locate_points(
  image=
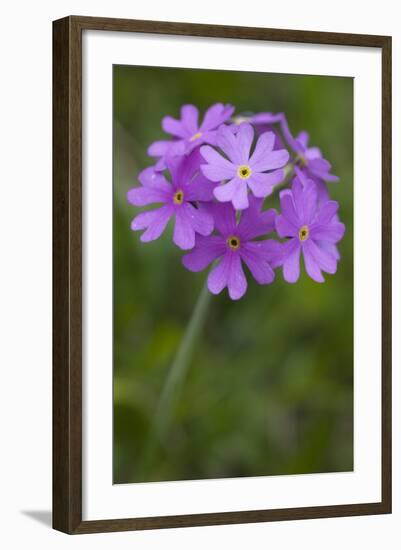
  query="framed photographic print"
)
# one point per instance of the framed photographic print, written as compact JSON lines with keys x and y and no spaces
{"x":222,"y":275}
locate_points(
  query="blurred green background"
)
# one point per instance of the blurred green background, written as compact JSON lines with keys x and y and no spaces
{"x":269,"y":389}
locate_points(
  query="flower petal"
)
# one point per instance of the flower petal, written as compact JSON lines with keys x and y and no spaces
{"x":320,"y":168}
{"x":264,"y":146}
{"x":235,"y":191}
{"x":227,"y":142}
{"x":201,"y":218}
{"x":285,"y":228}
{"x":154,"y":221}
{"x":322,"y":191}
{"x":224,"y":218}
{"x":305,"y":200}
{"x":160,"y":165}
{"x":142,"y":196}
{"x":206,"y":250}
{"x":332,"y":178}
{"x":172,"y":148}
{"x":228,"y":272}
{"x":244,"y":142}
{"x":218,"y":276}
{"x":254,"y":255}
{"x":327,"y":211}
{"x":313,"y":153}
{"x":158,"y":148}
{"x":311,"y":265}
{"x":253,"y":222}
{"x":266,"y":118}
{"x":184,"y":168}
{"x":303,"y":139}
{"x":262,"y":184}
{"x":174,"y":127}
{"x":324,"y":259}
{"x":332,"y":232}
{"x":189,"y":119}
{"x":216,"y":115}
{"x":272,"y":161}
{"x":237,"y":283}
{"x":330,"y":248}
{"x":273,"y":251}
{"x":184,"y":233}
{"x":291,"y":254}
{"x":209,"y":137}
{"x":301,"y":175}
{"x":154,"y":180}
{"x":199,"y":189}
{"x":291,"y":141}
{"x":218,"y":168}
{"x":288,"y":207}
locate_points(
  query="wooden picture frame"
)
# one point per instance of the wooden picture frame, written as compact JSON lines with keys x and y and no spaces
{"x":67,"y":273}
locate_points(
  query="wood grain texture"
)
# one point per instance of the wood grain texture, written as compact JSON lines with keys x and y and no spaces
{"x":386,"y":275}
{"x":225,"y":31}
{"x":67,"y":274}
{"x":67,"y":277}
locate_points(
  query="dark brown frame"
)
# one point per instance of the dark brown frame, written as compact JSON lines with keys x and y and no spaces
{"x":67,"y":274}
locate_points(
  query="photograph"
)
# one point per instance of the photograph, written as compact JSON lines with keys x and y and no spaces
{"x":233,"y":274}
{"x":201,"y":355}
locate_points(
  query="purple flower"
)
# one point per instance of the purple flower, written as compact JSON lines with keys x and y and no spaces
{"x":187,"y":185}
{"x":266,"y":122}
{"x":239,"y":162}
{"x":321,"y":186}
{"x":243,"y":169}
{"x":187,"y":133}
{"x":233,"y":245}
{"x":311,"y":228}
{"x":322,"y":197}
{"x":311,"y":160}
{"x":262,"y":122}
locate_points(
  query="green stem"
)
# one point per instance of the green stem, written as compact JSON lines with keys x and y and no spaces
{"x":176,"y":376}
{"x":181,"y":362}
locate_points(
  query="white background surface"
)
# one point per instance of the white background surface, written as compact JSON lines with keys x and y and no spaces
{"x":101,"y":499}
{"x":25,"y":296}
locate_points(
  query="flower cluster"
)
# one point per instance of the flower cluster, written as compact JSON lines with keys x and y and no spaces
{"x":212,"y":179}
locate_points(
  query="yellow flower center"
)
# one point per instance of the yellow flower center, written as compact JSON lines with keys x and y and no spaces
{"x":178,"y":197}
{"x":302,"y":160}
{"x":233,"y":242}
{"x":195,"y":136}
{"x":244,"y":171}
{"x":303,"y":233}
